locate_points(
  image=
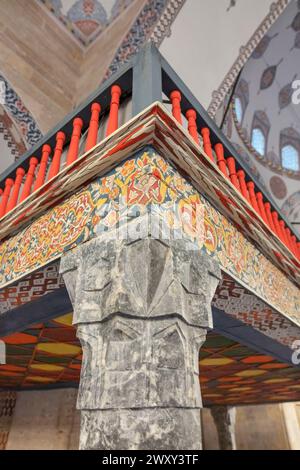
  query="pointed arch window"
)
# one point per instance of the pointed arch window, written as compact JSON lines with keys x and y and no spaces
{"x":290,"y":158}
{"x":289,"y":147}
{"x":258,"y":140}
{"x":260,"y":132}
{"x":238,"y":109}
{"x":241,"y":100}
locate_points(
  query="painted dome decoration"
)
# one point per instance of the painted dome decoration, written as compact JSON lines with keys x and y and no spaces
{"x":88,"y":15}
{"x":265,"y":119}
{"x":262,"y":46}
{"x":268,"y":76}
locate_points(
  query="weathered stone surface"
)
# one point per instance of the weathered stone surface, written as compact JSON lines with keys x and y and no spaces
{"x":154,"y":429}
{"x":142,"y":308}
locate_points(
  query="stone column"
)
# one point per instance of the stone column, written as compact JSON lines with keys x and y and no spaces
{"x":142,"y":309}
{"x":224,"y":418}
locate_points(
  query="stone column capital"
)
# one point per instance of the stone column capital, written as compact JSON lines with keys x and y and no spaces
{"x":144,"y":278}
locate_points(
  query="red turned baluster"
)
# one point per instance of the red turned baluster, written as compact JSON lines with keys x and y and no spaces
{"x":261,"y":207}
{"x":75,"y":139}
{"x":29,"y":178}
{"x":93,"y":127}
{"x":40,"y":179}
{"x":269,"y":216}
{"x":113,"y":120}
{"x":175,"y":98}
{"x":243,"y":186}
{"x":16,"y":189}
{"x":282,"y":231}
{"x":294,"y":245}
{"x":5,"y":196}
{"x":232,"y":172}
{"x":192,"y":125}
{"x":253,"y":201}
{"x":276,"y":224}
{"x":219,"y":149}
{"x":284,"y":237}
{"x":205,"y":132}
{"x":55,"y":165}
{"x":298,"y":249}
{"x":289,"y":238}
{"x":293,"y":239}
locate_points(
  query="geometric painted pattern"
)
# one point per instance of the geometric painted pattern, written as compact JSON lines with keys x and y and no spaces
{"x":42,"y":355}
{"x":238,"y":302}
{"x":31,"y":287}
{"x":230,"y":373}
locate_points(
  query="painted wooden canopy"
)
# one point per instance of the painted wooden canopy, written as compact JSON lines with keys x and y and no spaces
{"x":149,"y":164}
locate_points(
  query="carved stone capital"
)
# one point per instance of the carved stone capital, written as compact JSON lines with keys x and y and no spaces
{"x":145,"y":278}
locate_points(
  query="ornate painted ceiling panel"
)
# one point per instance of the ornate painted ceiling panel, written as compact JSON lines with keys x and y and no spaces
{"x":47,"y":355}
{"x":86,"y":19}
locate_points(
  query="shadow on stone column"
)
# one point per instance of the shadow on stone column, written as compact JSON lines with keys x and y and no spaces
{"x":142,"y":309}
{"x":224,"y":418}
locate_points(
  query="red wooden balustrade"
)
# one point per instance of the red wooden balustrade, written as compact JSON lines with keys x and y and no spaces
{"x":205,"y":132}
{"x":269,"y":216}
{"x":243,"y":186}
{"x":113,"y":119}
{"x":230,"y":161}
{"x":5,"y":196}
{"x":13,"y":200}
{"x":252,"y":196}
{"x":93,"y":127}
{"x":175,"y":98}
{"x":219,"y":149}
{"x":75,"y":140}
{"x":55,"y":164}
{"x":192,"y":125}
{"x":41,"y":175}
{"x":29,"y":178}
{"x":261,"y":207}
